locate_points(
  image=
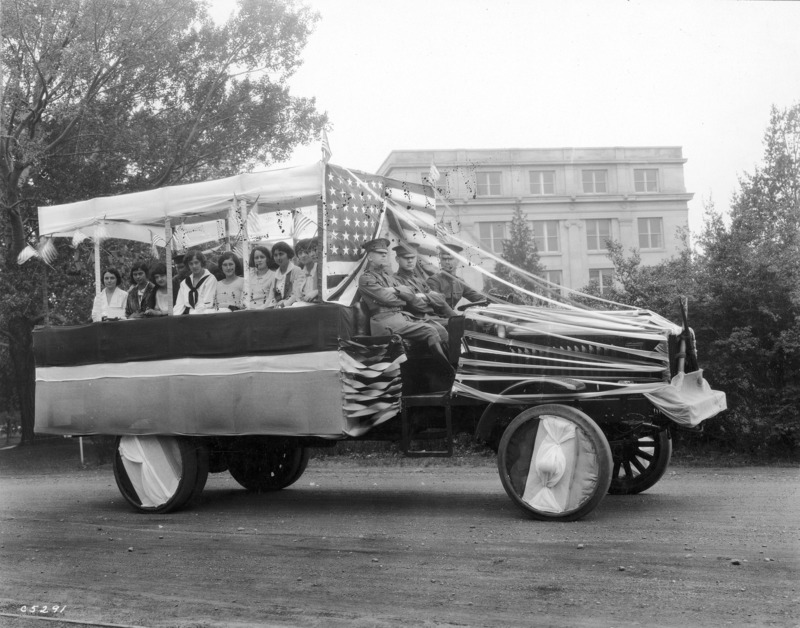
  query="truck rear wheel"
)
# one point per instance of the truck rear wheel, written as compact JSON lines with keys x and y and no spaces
{"x":159,"y":474}
{"x":262,"y":464}
{"x":554,"y":463}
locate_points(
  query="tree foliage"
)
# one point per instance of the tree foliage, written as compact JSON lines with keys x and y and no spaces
{"x":102,"y":97}
{"x":744,"y":289}
{"x":519,"y":250}
{"x":657,"y":287}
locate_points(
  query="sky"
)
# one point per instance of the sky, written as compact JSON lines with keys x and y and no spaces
{"x":439,"y":74}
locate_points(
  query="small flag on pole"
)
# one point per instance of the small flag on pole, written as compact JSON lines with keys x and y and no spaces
{"x":27,"y":253}
{"x":434,"y":173}
{"x":326,"y":148}
{"x":47,"y":250}
{"x":78,"y":237}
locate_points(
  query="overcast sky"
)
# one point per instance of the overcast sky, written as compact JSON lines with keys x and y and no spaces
{"x":436,"y":74}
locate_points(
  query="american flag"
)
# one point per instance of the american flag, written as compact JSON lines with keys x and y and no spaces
{"x":326,"y":147}
{"x":360,"y":207}
{"x":354,"y":203}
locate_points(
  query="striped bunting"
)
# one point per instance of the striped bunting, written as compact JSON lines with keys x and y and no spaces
{"x":371,"y":383}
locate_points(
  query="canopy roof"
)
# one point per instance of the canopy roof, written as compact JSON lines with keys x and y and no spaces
{"x":283,"y":188}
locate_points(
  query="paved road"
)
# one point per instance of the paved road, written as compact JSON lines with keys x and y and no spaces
{"x":387,"y":546}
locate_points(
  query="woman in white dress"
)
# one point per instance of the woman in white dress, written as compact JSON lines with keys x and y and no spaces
{"x":289,"y":279}
{"x":261,"y":279}
{"x":109,"y":304}
{"x":229,"y":289}
{"x":197,"y":291}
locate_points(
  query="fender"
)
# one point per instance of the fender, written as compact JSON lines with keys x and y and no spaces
{"x":498,"y":414}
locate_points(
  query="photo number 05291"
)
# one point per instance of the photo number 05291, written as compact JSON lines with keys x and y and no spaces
{"x":43,"y":609}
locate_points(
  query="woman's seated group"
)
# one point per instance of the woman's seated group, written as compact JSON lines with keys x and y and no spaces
{"x":276,"y":281}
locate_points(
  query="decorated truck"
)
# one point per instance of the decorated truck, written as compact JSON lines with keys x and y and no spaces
{"x":578,"y":401}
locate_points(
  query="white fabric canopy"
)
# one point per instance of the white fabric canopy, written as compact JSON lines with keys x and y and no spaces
{"x":284,"y":188}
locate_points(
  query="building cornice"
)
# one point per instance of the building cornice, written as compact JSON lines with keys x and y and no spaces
{"x":584,"y":199}
{"x":451,"y":157}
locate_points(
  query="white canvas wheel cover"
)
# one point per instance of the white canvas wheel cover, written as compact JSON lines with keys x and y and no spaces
{"x":552,"y":465}
{"x":154,"y":467}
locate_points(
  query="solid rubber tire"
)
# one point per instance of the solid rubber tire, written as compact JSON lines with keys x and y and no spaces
{"x":194,"y":473}
{"x":262,"y":464}
{"x":632,"y":484}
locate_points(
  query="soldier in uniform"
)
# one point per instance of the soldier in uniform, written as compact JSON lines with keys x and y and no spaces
{"x":385,"y":298}
{"x":429,"y":305}
{"x":446,"y":283}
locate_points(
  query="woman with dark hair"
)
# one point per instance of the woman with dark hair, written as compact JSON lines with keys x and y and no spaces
{"x":159,"y":303}
{"x":140,"y":291}
{"x":229,"y":289}
{"x":109,"y":304}
{"x":307,"y":255}
{"x":288,"y":278}
{"x":197,"y":291}
{"x":261,"y":279}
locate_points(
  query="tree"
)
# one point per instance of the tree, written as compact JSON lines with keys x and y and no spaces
{"x":108,"y":96}
{"x":744,"y":290}
{"x":658,"y":287}
{"x":520,"y":251}
{"x":749,"y":289}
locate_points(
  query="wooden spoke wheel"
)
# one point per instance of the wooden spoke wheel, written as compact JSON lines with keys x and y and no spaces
{"x":159,"y":474}
{"x":554,"y":463}
{"x":262,"y":464}
{"x":641,"y":455}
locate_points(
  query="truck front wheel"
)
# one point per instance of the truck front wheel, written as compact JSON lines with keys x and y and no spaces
{"x":554,"y":462}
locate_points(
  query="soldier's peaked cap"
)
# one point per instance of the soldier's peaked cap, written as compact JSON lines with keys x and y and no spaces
{"x":378,"y":245}
{"x":452,"y":247}
{"x":406,"y":249}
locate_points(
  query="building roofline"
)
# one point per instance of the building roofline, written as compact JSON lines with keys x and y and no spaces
{"x":401,"y":151}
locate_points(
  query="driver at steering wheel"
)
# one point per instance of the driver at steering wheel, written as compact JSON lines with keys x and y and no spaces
{"x":447,"y":284}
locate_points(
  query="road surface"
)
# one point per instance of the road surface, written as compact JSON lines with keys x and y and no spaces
{"x":427,"y":545}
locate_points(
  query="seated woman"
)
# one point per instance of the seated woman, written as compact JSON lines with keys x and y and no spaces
{"x":197,"y":291}
{"x":139,"y":294}
{"x":289,"y":278}
{"x":229,"y":289}
{"x":307,"y":256}
{"x":159,"y":303}
{"x":261,"y":278}
{"x":109,"y":304}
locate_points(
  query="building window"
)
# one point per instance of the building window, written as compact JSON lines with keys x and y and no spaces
{"x":542,"y":182}
{"x":603,"y":277}
{"x":489,"y":183}
{"x":594,"y":181}
{"x":645,"y":180}
{"x":552,"y":291}
{"x":491,"y":236}
{"x":598,"y":233}
{"x":651,"y":233}
{"x":553,"y":276}
{"x":545,"y":235}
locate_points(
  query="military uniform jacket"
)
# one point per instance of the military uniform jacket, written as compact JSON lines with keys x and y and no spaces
{"x":433,"y":303}
{"x":379,"y":290}
{"x":385,"y":298}
{"x":452,"y":288}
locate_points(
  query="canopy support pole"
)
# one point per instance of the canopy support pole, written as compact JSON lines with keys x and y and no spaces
{"x":98,"y":276}
{"x":45,"y":295}
{"x":168,"y":262}
{"x":322,"y":231}
{"x":245,"y":253}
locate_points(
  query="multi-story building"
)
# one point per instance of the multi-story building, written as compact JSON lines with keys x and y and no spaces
{"x":575,"y":199}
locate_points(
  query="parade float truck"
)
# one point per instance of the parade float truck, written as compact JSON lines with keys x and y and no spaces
{"x":578,"y":402}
